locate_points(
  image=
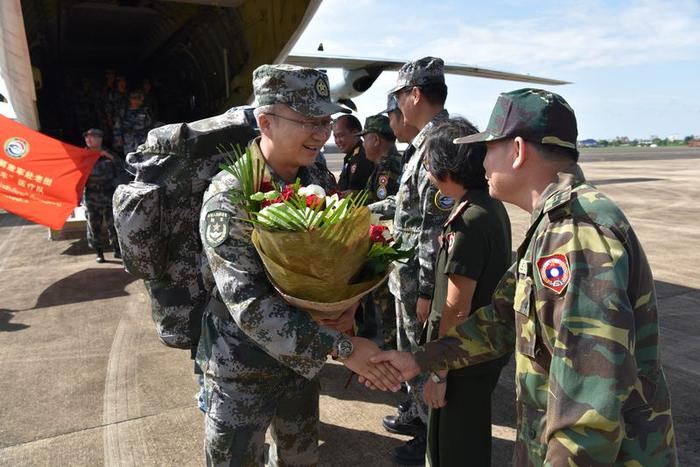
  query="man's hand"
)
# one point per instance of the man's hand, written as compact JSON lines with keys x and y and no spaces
{"x":344,"y":322}
{"x":423,"y":309}
{"x":381,"y":375}
{"x":402,"y":362}
{"x":434,"y":394}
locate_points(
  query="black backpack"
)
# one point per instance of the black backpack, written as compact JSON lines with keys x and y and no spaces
{"x":157,"y":216}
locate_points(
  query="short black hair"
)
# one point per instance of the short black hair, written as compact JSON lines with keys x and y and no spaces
{"x":435,"y":93}
{"x":463,"y":163}
{"x":352,"y":123}
{"x":555,"y":153}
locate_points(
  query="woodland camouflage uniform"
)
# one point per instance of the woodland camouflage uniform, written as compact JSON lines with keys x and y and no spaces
{"x":580,"y":309}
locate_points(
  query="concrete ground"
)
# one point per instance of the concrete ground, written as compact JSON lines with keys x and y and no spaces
{"x":85,"y":381}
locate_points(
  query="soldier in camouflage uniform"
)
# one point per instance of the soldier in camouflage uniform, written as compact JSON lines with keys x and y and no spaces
{"x":578,"y":305}
{"x":381,"y":151}
{"x":98,"y":196}
{"x":131,"y":129}
{"x":261,"y":356}
{"x":419,"y":210}
{"x":403,"y":131}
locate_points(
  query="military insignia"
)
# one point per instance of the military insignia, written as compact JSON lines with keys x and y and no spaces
{"x":322,"y":88}
{"x":443,"y":203}
{"x":381,"y":192}
{"x":450,"y":239}
{"x":383,"y":180}
{"x":353,"y":168}
{"x":554,"y":272}
{"x":216,"y":228}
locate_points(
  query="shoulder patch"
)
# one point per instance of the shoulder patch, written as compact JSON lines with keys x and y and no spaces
{"x":353,"y":168}
{"x":443,"y":203}
{"x":554,"y":272}
{"x":383,"y":179}
{"x":216,"y":227}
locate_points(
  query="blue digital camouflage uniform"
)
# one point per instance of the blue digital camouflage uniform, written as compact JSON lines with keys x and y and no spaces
{"x":419,"y":212}
{"x":97,"y":194}
{"x":260,"y":356}
{"x":261,"y":359}
{"x":133,"y":128}
{"x":580,"y":309}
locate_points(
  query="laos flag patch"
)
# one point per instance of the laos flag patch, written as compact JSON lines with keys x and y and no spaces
{"x":554,"y":272}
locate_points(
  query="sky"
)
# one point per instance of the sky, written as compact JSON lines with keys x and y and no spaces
{"x":635,"y":65}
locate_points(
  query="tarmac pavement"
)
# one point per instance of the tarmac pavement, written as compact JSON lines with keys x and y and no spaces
{"x":86,"y":382}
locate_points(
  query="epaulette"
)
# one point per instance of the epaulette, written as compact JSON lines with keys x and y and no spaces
{"x":556,"y":205}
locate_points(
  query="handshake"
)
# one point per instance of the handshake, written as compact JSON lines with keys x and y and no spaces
{"x":376,"y":369}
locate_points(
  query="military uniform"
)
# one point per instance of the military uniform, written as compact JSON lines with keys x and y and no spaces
{"x":580,"y":309}
{"x":133,"y":128}
{"x":384,"y":182}
{"x":356,"y":170}
{"x":419,"y":212}
{"x":475,"y":243}
{"x":98,"y":193}
{"x":260,"y":356}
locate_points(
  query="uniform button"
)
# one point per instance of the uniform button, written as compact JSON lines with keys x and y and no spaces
{"x":532,"y":433}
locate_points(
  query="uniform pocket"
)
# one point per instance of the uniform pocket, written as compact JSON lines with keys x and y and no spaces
{"x":525,"y":317}
{"x":139,"y":219}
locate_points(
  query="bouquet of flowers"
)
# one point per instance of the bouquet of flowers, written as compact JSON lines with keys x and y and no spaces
{"x":318,"y":249}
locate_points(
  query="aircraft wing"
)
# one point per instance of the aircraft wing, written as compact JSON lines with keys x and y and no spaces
{"x":353,"y":63}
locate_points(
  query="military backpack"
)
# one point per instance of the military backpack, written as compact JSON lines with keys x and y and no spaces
{"x":157,"y":216}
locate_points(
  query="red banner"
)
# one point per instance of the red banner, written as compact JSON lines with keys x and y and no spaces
{"x":41,"y":178}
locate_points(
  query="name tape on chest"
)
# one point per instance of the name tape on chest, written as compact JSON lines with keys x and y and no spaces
{"x":554,"y":272}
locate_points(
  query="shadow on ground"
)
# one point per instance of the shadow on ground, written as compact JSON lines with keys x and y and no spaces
{"x":84,"y":286}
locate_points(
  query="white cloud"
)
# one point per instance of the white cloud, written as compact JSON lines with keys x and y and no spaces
{"x":578,"y":36}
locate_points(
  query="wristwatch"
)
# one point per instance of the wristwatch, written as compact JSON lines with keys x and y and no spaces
{"x":343,"y":348}
{"x":437,"y":378}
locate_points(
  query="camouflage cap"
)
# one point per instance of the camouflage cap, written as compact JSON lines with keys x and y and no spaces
{"x":377,"y":124}
{"x":95,"y":132}
{"x":533,"y":114}
{"x":305,"y":90}
{"x":427,"y":70}
{"x":392,"y":104}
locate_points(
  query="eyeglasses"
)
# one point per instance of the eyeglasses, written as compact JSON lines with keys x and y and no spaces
{"x":307,"y":126}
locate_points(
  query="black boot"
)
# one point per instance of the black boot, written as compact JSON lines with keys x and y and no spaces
{"x":412,"y":452}
{"x":100,"y":257}
{"x":117,"y":252}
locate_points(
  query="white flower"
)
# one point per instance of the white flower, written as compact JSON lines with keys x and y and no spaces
{"x":269,"y":215}
{"x":312,"y":190}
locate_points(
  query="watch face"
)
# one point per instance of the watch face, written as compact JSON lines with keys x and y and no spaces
{"x":344,"y":348}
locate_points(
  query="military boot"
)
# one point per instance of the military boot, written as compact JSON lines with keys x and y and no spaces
{"x":100,"y":256}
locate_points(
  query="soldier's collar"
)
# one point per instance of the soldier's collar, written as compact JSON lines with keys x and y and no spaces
{"x":558,"y":192}
{"x":423,"y":133}
{"x":357,"y":149}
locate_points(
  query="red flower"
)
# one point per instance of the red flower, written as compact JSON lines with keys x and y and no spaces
{"x":287,"y":193}
{"x":266,"y":186}
{"x":312,"y":201}
{"x":376,"y":233}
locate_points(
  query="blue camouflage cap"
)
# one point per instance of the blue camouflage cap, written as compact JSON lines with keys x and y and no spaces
{"x":421,"y":72}
{"x":392,"y":104}
{"x":305,"y":90}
